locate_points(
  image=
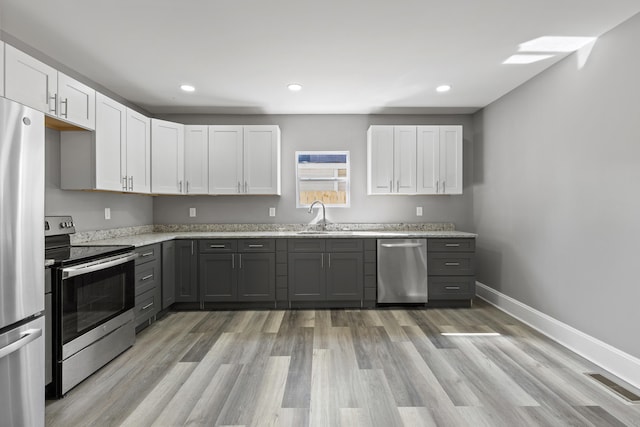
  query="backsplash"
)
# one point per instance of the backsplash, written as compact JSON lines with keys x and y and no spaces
{"x":90,"y":236}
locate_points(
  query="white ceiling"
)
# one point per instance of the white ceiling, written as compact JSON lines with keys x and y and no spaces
{"x":351,"y":56}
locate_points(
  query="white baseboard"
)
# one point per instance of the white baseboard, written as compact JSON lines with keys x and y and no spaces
{"x":621,"y":364}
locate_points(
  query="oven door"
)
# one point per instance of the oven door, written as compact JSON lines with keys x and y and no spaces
{"x":94,"y":293}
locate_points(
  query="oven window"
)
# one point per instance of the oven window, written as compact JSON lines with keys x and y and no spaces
{"x":91,"y":299}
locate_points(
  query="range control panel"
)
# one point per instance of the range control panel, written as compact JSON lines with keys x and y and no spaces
{"x":56,"y":225}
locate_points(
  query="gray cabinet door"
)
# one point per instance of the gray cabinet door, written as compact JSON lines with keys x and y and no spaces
{"x":345,"y":276}
{"x":306,"y":277}
{"x":168,"y":273}
{"x":256,"y":277}
{"x":186,"y":289}
{"x":218,"y":277}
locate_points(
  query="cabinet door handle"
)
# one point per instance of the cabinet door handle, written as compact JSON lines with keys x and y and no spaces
{"x":131,"y":183}
{"x":390,"y":186}
{"x":452,"y":288}
{"x":147,"y":306}
{"x":192,"y":247}
{"x":180,"y":186}
{"x":239,"y":187}
{"x":451,"y":264}
{"x":66,"y":107}
{"x":245,"y":186}
{"x":217,"y":246}
{"x":452,"y":245}
{"x":322,"y":260}
{"x":437,"y":186}
{"x":147,"y":254}
{"x":147,"y":277}
{"x":239,"y":260}
{"x":124,"y":183}
{"x":233,"y":261}
{"x":187,"y":187}
{"x":444,"y":187}
{"x":53,"y":98}
{"x":256,"y":246}
{"x":329,"y":259}
{"x":398,"y":186}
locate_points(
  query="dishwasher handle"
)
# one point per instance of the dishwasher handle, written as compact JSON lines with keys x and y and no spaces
{"x":401,"y":245}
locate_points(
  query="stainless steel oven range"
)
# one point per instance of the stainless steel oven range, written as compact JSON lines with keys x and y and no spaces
{"x":93,"y":300}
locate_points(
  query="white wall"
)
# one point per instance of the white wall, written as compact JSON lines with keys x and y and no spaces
{"x":324,"y":132}
{"x":87,"y":207}
{"x":556,"y":191}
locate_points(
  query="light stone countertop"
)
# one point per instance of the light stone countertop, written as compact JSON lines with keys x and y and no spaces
{"x":144,"y":239}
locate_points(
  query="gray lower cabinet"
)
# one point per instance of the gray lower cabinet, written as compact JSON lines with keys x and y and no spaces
{"x":325,"y":269}
{"x":237,"y":270}
{"x":186,"y":271}
{"x":148,"y":284}
{"x":451,"y":267}
{"x":168,"y":273}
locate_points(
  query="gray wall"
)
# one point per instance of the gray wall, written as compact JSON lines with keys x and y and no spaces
{"x":87,"y":207}
{"x":556,"y":201}
{"x":324,"y":132}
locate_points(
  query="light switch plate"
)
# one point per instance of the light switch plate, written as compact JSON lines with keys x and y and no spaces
{"x":192,"y":212}
{"x":107,"y":213}
{"x":272,"y":211}
{"x":419,"y":211}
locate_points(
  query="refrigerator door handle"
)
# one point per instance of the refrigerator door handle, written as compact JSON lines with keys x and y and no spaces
{"x":27,"y":337}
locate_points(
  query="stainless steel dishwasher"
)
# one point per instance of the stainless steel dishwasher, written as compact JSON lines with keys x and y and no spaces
{"x":402,"y":270}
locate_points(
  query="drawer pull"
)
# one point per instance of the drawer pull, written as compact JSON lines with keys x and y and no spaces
{"x":147,"y":306}
{"x":452,"y":245}
{"x":217,"y":246}
{"x":147,"y":277}
{"x":147,"y":254}
{"x":452,"y":288}
{"x":256,"y":246}
{"x":451,"y":264}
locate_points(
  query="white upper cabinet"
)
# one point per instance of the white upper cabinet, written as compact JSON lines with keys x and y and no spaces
{"x":137,"y":162}
{"x":167,"y":157}
{"x":414,"y":160}
{"x":451,"y":159}
{"x":225,"y":160}
{"x":39,"y":86}
{"x":196,"y":159}
{"x":30,"y":82}
{"x":261,"y":160}
{"x":1,"y":68}
{"x":116,"y":157}
{"x":76,"y":102}
{"x":244,"y":160}
{"x":391,"y":156}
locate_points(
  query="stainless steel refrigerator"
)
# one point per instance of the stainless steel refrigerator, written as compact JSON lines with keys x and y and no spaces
{"x":21,"y":265}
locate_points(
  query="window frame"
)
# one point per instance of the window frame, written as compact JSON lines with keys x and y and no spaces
{"x":346,"y":180}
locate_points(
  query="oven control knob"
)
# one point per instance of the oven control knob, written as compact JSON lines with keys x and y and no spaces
{"x":62,"y":225}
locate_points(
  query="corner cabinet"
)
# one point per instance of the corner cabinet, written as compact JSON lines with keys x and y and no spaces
{"x":244,"y":160}
{"x":116,"y":157}
{"x":167,"y":157}
{"x":414,"y":160}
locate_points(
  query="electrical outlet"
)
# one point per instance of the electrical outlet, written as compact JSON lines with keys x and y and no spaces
{"x":272,"y":211}
{"x":419,"y":211}
{"x":192,"y":212}
{"x":107,"y":213}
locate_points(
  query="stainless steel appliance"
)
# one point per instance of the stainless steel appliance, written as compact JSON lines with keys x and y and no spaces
{"x":402,"y":271}
{"x":21,"y":265}
{"x":93,"y":300}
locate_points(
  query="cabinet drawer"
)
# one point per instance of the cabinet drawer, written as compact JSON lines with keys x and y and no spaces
{"x":147,"y":276}
{"x":147,"y":253}
{"x":146,"y":307}
{"x":306,"y":245}
{"x":451,"y":264}
{"x":217,"y":245}
{"x":462,"y":287}
{"x":345,"y":245}
{"x":257,"y":245}
{"x":451,"y":245}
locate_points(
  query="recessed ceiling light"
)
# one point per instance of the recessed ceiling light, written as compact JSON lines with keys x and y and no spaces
{"x":294,"y":87}
{"x":555,"y":44}
{"x":525,"y":59}
{"x":443,"y":88}
{"x":187,"y":88}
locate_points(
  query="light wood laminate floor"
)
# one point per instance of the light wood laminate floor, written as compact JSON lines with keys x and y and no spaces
{"x":342,"y":368}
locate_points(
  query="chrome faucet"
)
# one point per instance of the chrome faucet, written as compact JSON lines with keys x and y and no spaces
{"x":324,"y":217}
